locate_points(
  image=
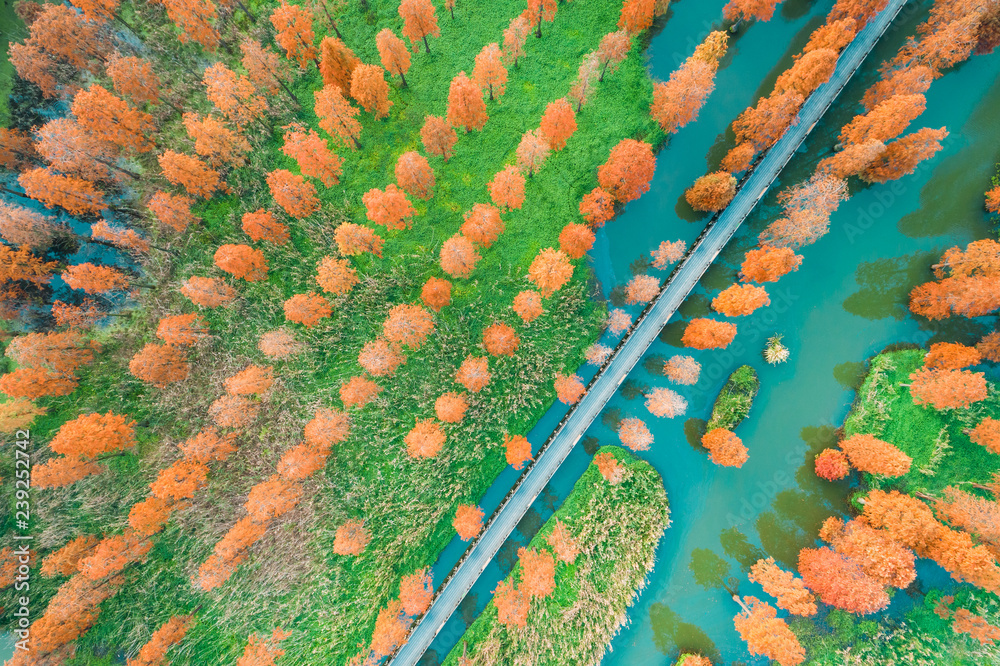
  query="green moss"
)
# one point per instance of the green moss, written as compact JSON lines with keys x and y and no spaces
{"x":618,"y":528}
{"x":735,"y":399}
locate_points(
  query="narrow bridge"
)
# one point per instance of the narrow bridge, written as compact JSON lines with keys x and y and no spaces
{"x":635,"y":343}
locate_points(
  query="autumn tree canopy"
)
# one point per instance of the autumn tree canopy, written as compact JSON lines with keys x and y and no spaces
{"x":748,"y":10}
{"x":489,"y":72}
{"x":393,"y":53}
{"x":419,"y":22}
{"x":947,"y":389}
{"x":159,"y":365}
{"x":369,"y":88}
{"x":725,"y":447}
{"x":310,"y":152}
{"x":550,"y":270}
{"x":711,"y":192}
{"x":628,"y":171}
{"x":466,"y":108}
{"x":91,"y":435}
{"x":768,"y":264}
{"x":438,"y":137}
{"x":597,"y":207}
{"x":507,"y":188}
{"x":558,"y":123}
{"x":261,"y":225}
{"x":872,"y":455}
{"x":766,"y":634}
{"x":242,"y":261}
{"x":388,"y":207}
{"x":634,"y":434}
{"x":459,"y":256}
{"x":840,"y":581}
{"x":740,"y":300}
{"x":293,"y":193}
{"x":337,"y":116}
{"x":789,"y":590}
{"x":337,"y":63}
{"x":468,"y":521}
{"x":763,"y":125}
{"x":414,"y":175}
{"x":708,"y":334}
{"x":294,"y":32}
{"x":482,"y":225}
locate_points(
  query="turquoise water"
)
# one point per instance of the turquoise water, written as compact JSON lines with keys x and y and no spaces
{"x":6,"y":646}
{"x":846,"y":303}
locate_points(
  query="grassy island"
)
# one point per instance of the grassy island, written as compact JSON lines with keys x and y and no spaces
{"x":735,"y":399}
{"x":942,"y":455}
{"x":618,"y":527}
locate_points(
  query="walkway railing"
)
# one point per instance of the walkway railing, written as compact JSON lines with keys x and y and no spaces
{"x":603,"y":385}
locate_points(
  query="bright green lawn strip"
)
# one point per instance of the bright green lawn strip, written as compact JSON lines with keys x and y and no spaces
{"x":619,"y":527}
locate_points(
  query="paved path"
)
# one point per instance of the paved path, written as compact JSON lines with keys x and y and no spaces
{"x":628,"y":352}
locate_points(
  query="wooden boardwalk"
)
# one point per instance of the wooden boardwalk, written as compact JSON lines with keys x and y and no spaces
{"x":631,"y":348}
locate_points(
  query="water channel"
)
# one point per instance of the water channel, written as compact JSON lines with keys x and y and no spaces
{"x":846,"y":303}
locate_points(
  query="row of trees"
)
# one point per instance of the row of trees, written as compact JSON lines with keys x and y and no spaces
{"x":892,"y":102}
{"x":242,"y":100}
{"x":162,"y":364}
{"x":408,"y":325}
{"x":623,"y":178}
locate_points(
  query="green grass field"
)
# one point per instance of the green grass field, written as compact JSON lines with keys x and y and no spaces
{"x":291,"y":578}
{"x":618,"y":527}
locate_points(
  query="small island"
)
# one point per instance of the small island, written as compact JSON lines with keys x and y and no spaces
{"x":735,"y":399}
{"x":568,"y":595}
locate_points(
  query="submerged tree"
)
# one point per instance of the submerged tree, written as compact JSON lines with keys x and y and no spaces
{"x":766,"y":634}
{"x":725,"y":447}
